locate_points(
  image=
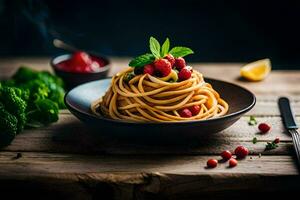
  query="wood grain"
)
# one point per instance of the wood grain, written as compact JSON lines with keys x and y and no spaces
{"x":135,"y":177}
{"x":43,"y":163}
{"x":72,"y":136}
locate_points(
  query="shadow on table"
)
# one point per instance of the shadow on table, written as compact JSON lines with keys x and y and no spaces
{"x":78,"y":137}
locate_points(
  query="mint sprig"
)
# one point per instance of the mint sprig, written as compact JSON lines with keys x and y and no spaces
{"x":158,"y":52}
{"x":165,"y":48}
{"x":271,"y":145}
{"x":181,"y":51}
{"x":142,"y":60}
{"x":154,"y":47}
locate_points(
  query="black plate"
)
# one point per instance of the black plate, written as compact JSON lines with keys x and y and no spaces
{"x":78,"y":101}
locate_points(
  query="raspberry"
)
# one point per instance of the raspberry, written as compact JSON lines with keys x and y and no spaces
{"x":264,"y":128}
{"x":180,"y":63}
{"x":184,"y":74}
{"x":171,"y":59}
{"x":277,"y":140}
{"x":233,"y":162}
{"x":226,"y":155}
{"x":163,"y":66}
{"x":212,"y":163}
{"x":185,"y":113}
{"x":195,"y":109}
{"x":81,"y":58}
{"x":149,"y":69}
{"x":241,"y":152}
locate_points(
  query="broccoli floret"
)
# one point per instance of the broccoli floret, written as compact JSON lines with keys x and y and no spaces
{"x":33,"y":97}
{"x":49,"y":79}
{"x":46,"y":112}
{"x":57,"y":95}
{"x":8,"y":126}
{"x":42,"y":85}
{"x":9,"y":83}
{"x":38,"y":90}
{"x":55,"y":86}
{"x":24,"y":74}
{"x":23,"y":93}
{"x":14,"y":104}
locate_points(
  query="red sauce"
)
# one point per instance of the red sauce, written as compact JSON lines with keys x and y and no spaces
{"x":81,"y":62}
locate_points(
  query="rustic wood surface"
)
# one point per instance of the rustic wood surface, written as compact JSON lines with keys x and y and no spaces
{"x":67,"y":158}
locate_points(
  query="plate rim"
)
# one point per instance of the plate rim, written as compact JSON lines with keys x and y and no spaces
{"x":231,"y":115}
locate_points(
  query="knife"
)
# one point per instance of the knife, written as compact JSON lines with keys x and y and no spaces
{"x":290,"y":123}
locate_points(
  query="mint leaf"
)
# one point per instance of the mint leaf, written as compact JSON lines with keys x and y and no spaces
{"x":154,"y":47}
{"x":128,"y":77}
{"x":181,"y":51}
{"x":271,"y":145}
{"x":165,"y":48}
{"x":142,"y":60}
{"x":254,"y":140}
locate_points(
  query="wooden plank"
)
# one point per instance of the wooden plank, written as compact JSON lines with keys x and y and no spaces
{"x":45,"y":163}
{"x":70,"y":135}
{"x":136,"y":177}
{"x":148,"y":186}
{"x":270,"y":107}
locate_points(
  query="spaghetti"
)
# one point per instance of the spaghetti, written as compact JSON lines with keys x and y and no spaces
{"x":146,"y":98}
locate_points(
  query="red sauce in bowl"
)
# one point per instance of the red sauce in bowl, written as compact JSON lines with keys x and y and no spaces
{"x":81,"y":62}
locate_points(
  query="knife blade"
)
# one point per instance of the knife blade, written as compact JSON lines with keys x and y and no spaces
{"x":290,"y":123}
{"x":286,"y":113}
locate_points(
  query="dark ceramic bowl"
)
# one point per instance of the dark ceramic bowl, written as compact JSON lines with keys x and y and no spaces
{"x":73,"y":79}
{"x":79,"y":99}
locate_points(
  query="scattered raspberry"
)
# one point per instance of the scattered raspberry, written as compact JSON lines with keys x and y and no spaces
{"x":277,"y":140}
{"x":194,"y":109}
{"x":241,"y":152}
{"x":163,"y":66}
{"x":171,"y":59}
{"x":184,"y":74}
{"x":263,"y":127}
{"x":185,"y":113}
{"x":212,"y":163}
{"x":149,"y":69}
{"x":226,"y":155}
{"x":233,"y":162}
{"x":180,"y":63}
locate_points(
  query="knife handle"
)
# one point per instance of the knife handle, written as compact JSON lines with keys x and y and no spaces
{"x":286,"y":113}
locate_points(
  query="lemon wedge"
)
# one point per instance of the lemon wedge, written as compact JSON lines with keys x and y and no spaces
{"x":256,"y":71}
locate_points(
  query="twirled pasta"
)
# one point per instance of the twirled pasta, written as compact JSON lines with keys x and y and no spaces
{"x":146,"y":98}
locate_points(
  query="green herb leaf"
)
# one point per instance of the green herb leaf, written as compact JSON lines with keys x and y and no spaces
{"x":252,"y":121}
{"x":128,"y":77}
{"x":181,"y":51}
{"x":271,"y":145}
{"x":142,"y":60}
{"x":154,"y":47}
{"x":165,"y":48}
{"x":254,"y":140}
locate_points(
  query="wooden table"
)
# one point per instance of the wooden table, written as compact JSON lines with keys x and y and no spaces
{"x":63,"y":160}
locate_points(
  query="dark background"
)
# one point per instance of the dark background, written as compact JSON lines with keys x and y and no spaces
{"x":218,"y":31}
